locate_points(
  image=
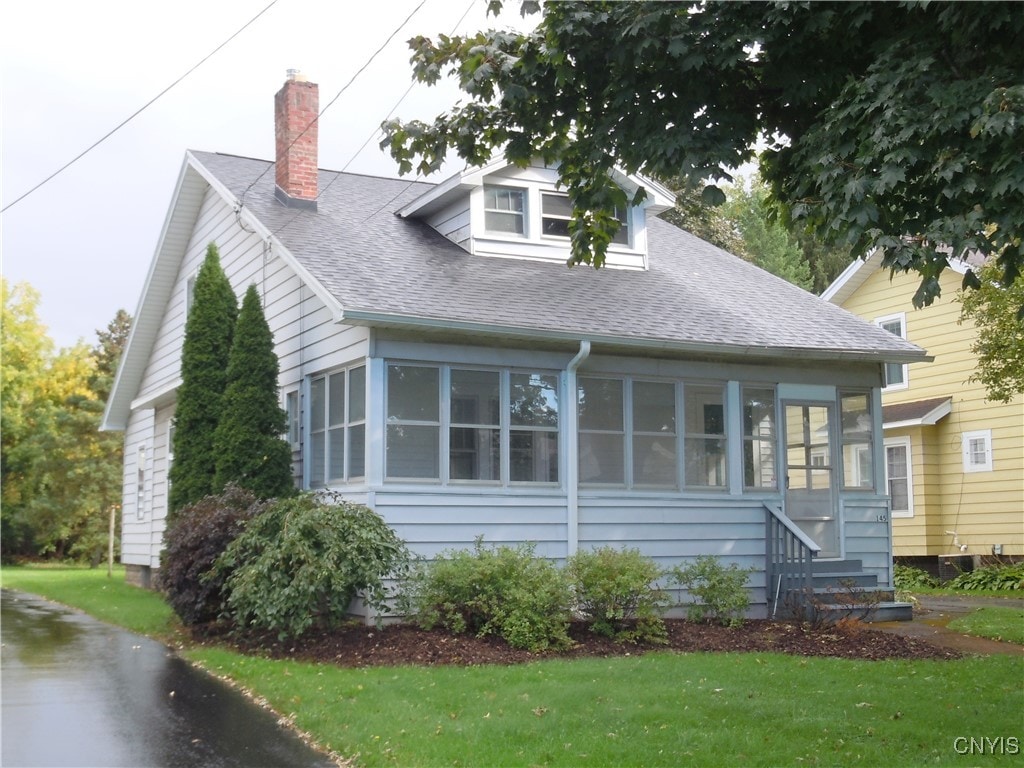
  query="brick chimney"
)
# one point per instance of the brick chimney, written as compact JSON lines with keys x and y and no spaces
{"x":295,"y":126}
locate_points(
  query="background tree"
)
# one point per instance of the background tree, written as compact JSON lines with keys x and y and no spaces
{"x":999,"y":345}
{"x":204,"y":358}
{"x":698,"y":217}
{"x":764,"y":240}
{"x":895,"y":126}
{"x":61,"y":476}
{"x":250,"y":450}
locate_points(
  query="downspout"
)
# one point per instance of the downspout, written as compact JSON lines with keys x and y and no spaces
{"x":573,"y":450}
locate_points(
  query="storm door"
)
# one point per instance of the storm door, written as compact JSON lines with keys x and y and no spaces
{"x":810,"y":473}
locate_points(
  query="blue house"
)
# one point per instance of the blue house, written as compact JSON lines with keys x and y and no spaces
{"x":441,"y":364}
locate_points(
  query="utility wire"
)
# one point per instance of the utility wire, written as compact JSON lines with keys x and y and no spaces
{"x":372,"y":135}
{"x":137,"y":112}
{"x":345,"y":87}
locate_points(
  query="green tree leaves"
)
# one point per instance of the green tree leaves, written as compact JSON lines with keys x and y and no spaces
{"x":895,"y":126}
{"x":999,"y":345}
{"x":60,"y":475}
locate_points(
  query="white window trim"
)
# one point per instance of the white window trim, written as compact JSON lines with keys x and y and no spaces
{"x":525,"y":214}
{"x":906,"y":444}
{"x":140,"y":482}
{"x":902,"y":318}
{"x":965,"y":449}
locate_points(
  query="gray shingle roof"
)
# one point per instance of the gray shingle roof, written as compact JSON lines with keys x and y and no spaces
{"x":694,"y":296}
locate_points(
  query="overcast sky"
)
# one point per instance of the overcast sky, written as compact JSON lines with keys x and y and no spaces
{"x":71,"y":71}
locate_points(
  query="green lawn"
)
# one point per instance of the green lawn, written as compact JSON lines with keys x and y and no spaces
{"x":650,"y":710}
{"x":1006,"y":624}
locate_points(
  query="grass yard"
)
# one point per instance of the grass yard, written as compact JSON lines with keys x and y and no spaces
{"x":1006,"y":624}
{"x":650,"y":710}
{"x":89,"y":589}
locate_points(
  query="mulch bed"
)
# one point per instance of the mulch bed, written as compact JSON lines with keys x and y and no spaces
{"x":356,"y":645}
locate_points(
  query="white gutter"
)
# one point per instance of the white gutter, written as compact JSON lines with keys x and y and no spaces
{"x":572,"y":452}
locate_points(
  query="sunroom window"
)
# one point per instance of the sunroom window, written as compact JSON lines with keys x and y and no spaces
{"x":610,"y":410}
{"x":505,"y":210}
{"x":759,"y":437}
{"x":533,"y":428}
{"x":337,"y":432}
{"x":858,"y":461}
{"x":500,"y":426}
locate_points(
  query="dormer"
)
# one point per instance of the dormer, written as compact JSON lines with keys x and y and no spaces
{"x":503,"y":211}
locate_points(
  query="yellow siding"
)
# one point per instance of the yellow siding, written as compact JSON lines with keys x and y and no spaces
{"x":984,"y":508}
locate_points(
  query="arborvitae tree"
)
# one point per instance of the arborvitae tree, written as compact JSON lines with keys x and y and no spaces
{"x":248,"y":442}
{"x":204,"y":357}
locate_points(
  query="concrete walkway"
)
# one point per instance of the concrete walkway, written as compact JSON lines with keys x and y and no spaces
{"x":934,"y":613}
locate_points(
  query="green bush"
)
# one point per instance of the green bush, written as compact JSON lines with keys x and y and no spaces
{"x":503,"y":591}
{"x":907,"y":577}
{"x":615,"y":591}
{"x":299,"y":563}
{"x":996,"y":576}
{"x":196,"y":537}
{"x":721,"y":591}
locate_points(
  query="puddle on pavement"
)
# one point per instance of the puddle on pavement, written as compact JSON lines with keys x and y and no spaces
{"x":77,"y":692}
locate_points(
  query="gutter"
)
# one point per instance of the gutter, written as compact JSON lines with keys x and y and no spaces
{"x":573,"y":450}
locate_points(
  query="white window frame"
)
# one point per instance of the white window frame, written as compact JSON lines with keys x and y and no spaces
{"x":881,"y":322}
{"x":967,"y":438}
{"x":622,"y":236}
{"x":524,"y":214}
{"x":903,"y":442}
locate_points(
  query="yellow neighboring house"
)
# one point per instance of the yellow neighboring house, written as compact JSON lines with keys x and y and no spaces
{"x":954,"y":461}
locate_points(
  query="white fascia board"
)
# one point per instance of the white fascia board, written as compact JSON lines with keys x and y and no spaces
{"x":932,"y":417}
{"x":163,"y":269}
{"x":277,"y":247}
{"x":659,"y":197}
{"x":851,"y":278}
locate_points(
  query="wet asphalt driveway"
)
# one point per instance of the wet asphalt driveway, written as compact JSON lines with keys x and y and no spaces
{"x":78,"y":692}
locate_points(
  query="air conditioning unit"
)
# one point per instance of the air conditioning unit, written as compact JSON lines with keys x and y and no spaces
{"x":951,"y":566}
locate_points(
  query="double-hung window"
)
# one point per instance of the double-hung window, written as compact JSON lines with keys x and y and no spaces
{"x":337,"y":431}
{"x":505,"y":210}
{"x":898,"y":476}
{"x":895,"y":373}
{"x":475,"y":433}
{"x":556,"y":213}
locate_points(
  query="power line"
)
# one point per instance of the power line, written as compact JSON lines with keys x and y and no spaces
{"x":372,"y":134}
{"x":137,"y":112}
{"x":345,"y":87}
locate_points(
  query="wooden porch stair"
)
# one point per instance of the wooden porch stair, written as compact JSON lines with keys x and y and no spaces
{"x":843,"y":589}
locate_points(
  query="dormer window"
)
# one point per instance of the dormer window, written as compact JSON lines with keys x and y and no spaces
{"x":505,"y":210}
{"x":556,"y":212}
